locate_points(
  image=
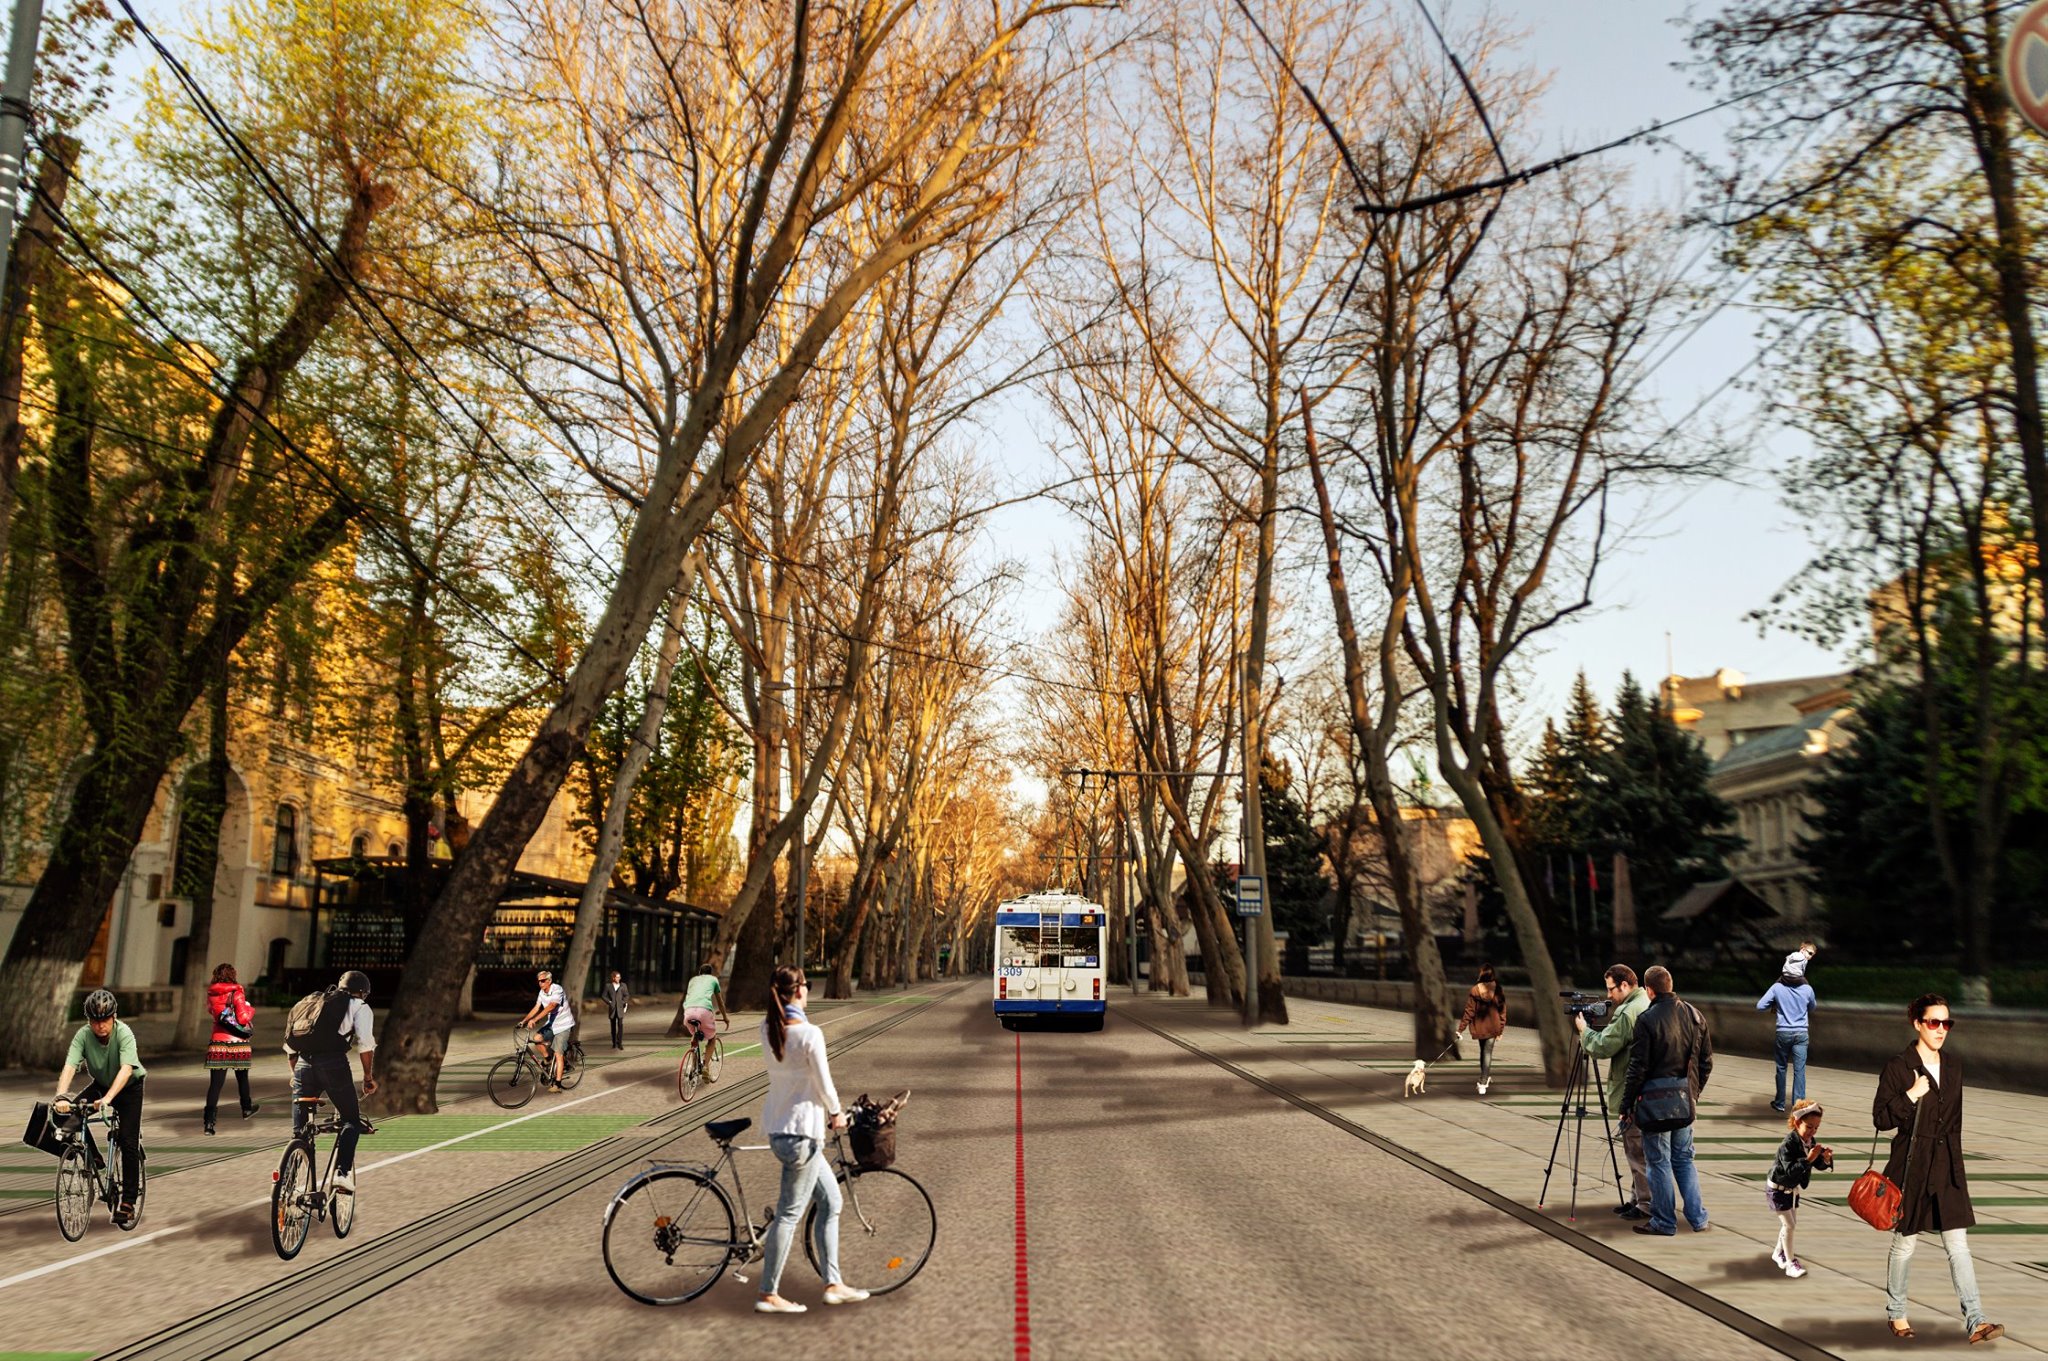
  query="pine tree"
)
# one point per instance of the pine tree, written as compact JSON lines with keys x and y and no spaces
{"x":1563,"y":784}
{"x":1652,"y":803}
{"x":1296,"y":889}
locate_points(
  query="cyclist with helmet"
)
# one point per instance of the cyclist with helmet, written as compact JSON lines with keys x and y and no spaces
{"x":320,"y":1067}
{"x":105,"y":1047}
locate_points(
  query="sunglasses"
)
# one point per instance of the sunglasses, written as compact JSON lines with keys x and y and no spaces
{"x":1938,"y":1022}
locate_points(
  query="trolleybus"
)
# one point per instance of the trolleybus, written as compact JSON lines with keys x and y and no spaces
{"x":1049,"y":960}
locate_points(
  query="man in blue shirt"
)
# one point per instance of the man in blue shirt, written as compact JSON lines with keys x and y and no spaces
{"x":1792,"y":998}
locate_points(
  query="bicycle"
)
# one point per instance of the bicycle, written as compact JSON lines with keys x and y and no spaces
{"x":671,"y":1231}
{"x":84,"y":1175}
{"x":515,"y":1078}
{"x":700,"y":1066}
{"x":296,"y":1197}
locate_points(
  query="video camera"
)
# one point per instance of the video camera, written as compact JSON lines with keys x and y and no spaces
{"x":1592,"y":1006}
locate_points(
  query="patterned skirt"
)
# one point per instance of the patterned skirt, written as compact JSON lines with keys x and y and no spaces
{"x":228,"y":1054}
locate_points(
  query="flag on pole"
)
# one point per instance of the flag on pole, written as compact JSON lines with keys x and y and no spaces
{"x":1592,"y":874}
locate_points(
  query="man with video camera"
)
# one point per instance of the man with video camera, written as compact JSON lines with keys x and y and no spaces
{"x":1614,"y":1042}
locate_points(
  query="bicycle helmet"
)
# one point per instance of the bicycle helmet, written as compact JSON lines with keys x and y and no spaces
{"x":100,"y":1005}
{"x":356,"y":983}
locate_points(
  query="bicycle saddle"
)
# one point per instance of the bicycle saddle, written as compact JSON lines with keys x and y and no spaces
{"x":725,"y":1131}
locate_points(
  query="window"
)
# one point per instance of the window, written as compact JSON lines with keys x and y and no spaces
{"x":395,"y":851}
{"x":284,"y":852}
{"x":359,"y":847}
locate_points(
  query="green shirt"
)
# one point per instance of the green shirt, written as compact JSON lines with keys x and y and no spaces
{"x":102,"y":1060}
{"x":1613,"y":1043}
{"x":702,"y":992}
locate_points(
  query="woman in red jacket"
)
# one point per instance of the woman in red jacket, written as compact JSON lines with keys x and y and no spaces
{"x":227,"y":1051}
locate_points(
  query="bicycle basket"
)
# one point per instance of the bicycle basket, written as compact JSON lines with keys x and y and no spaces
{"x":874,"y":1146}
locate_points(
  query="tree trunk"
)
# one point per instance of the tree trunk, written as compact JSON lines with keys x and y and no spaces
{"x":71,"y":900}
{"x":201,"y":811}
{"x":1264,"y":951}
{"x":31,"y":252}
{"x":590,"y":907}
{"x":753,"y":956}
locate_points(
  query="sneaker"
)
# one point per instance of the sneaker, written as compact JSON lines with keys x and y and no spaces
{"x":1779,"y":1259}
{"x":844,"y":1294}
{"x":251,"y":1109}
{"x":344,"y":1183}
{"x":1633,"y":1212}
{"x":1778,"y":1106}
{"x":778,"y":1305}
{"x":1484,"y":1085}
{"x":1794,"y":1268}
{"x":125,"y":1216}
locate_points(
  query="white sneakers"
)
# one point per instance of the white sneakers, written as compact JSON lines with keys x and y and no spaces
{"x":834,"y":1294}
{"x":344,"y":1183}
{"x":1483,"y":1086}
{"x":1791,"y":1266}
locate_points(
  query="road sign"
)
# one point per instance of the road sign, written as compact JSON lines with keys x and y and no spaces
{"x":2026,"y":65}
{"x":1251,"y":895}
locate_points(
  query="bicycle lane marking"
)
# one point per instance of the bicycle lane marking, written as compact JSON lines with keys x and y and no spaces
{"x":51,"y":1268}
{"x":1023,"y":1316}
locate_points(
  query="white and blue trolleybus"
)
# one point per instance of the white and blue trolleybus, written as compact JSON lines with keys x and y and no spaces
{"x":1049,"y":960}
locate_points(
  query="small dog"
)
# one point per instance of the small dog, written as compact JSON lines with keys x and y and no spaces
{"x":1417,"y":1079}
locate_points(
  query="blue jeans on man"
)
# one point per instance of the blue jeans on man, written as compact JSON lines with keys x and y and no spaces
{"x":1668,"y":1154}
{"x":1791,"y":1049}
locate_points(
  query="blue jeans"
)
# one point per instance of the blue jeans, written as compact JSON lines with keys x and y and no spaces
{"x":1668,"y":1155}
{"x":1791,"y":1048}
{"x":806,"y":1176}
{"x":1962,"y":1273}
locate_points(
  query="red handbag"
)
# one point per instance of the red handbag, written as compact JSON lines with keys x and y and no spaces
{"x":1874,"y":1197}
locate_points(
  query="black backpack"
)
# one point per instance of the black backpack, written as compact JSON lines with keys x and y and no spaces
{"x":314,"y":1026}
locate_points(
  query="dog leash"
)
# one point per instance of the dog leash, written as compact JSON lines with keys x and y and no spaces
{"x":1446,"y":1049}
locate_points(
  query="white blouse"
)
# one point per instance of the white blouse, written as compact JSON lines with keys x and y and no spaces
{"x":800,"y":1091}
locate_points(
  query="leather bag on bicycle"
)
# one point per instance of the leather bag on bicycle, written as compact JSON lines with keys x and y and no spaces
{"x":43,"y":1127}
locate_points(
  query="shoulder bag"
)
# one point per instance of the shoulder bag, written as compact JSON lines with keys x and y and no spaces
{"x":1666,"y":1103}
{"x":1875,"y":1199}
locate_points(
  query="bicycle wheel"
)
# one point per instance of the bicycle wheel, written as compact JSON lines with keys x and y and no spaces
{"x":668,"y":1236}
{"x":75,"y":1192}
{"x":341,"y":1213}
{"x":512,"y":1081}
{"x":115,"y":1159}
{"x":689,"y":1074}
{"x":714,"y":1059}
{"x":572,"y":1066}
{"x":886,"y":1228}
{"x":292,"y":1199}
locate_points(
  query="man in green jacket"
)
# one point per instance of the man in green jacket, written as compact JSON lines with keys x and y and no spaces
{"x":1625,"y":1002}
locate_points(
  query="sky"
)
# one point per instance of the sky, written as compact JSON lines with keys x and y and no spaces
{"x":1697,"y":559}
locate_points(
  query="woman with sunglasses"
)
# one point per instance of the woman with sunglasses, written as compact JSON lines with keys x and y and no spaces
{"x":1920,"y":1094}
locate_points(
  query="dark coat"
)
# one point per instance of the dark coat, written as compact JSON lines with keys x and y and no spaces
{"x":1671,"y":1041}
{"x":617,"y":997}
{"x":1486,"y":1011}
{"x":1927,"y":1161}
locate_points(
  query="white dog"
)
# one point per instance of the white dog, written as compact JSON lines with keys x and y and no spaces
{"x":1417,"y":1080}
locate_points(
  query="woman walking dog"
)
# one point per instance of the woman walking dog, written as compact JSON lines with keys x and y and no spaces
{"x":1486,"y":1016}
{"x":1920,"y":1094}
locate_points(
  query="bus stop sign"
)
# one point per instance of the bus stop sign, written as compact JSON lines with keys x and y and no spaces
{"x":2026,"y":65}
{"x":1251,"y":895}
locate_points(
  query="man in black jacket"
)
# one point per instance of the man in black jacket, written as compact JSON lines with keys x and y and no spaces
{"x":1671,"y":1042}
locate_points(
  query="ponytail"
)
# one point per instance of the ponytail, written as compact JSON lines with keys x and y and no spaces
{"x":782,"y":988}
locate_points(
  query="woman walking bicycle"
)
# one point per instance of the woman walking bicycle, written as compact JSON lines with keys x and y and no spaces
{"x":802,"y":1104}
{"x":1920,"y":1094}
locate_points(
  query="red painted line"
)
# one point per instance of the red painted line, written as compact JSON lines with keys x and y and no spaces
{"x":1023,"y":1325}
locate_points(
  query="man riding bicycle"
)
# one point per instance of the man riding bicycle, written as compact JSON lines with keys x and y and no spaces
{"x":105,"y":1048}
{"x":320,"y":1067}
{"x":553,"y":1021}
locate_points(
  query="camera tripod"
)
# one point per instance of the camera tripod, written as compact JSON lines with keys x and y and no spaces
{"x":1583,"y":1083}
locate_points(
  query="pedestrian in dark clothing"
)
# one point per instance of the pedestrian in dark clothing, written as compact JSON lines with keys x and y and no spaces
{"x":1920,"y":1094}
{"x":617,"y":999}
{"x":1799,"y":1157}
{"x":1671,"y":1040}
{"x":1486,"y":1016}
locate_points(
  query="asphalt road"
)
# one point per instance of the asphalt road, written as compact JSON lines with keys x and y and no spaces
{"x":1171,"y":1210}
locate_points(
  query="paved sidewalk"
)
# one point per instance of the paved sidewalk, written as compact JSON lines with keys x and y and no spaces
{"x":1350,"y":1061}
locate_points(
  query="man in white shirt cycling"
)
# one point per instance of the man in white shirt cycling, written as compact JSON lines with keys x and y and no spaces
{"x":553,"y":1020}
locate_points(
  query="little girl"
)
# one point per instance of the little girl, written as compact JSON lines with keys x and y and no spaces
{"x":1797,"y":1158}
